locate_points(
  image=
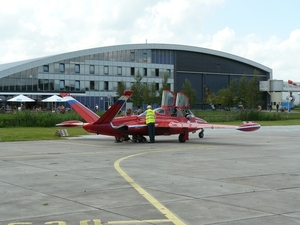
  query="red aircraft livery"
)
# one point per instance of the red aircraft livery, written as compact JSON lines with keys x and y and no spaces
{"x":170,"y":119}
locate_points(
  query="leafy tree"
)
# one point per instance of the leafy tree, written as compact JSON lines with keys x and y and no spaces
{"x":146,"y":93}
{"x":227,"y":97}
{"x":189,"y":91}
{"x":254,"y":96}
{"x":210,"y":97}
{"x":153,"y":94}
{"x":242,"y":91}
{"x":165,"y":85}
{"x":120,"y":89}
{"x":150,"y":93}
{"x":138,"y":89}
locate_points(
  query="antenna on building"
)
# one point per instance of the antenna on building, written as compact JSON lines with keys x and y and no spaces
{"x":146,"y":41}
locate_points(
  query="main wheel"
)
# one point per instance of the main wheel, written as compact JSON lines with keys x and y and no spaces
{"x":201,"y":134}
{"x":181,"y":138}
{"x":118,"y":140}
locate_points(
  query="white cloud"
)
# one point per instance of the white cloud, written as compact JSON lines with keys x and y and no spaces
{"x":36,"y":28}
{"x":282,"y":56}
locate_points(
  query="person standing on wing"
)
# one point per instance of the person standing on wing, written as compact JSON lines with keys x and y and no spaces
{"x":150,"y":121}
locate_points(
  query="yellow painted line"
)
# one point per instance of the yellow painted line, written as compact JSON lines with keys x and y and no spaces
{"x":138,"y":221}
{"x":172,"y":218}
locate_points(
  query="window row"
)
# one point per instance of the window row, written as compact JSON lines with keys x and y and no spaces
{"x":61,"y":85}
{"x":160,"y":56}
{"x":114,"y":70}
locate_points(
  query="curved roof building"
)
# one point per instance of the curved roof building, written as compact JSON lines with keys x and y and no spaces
{"x":93,"y":74}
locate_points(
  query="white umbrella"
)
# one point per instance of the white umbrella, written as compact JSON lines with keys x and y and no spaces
{"x":54,"y":98}
{"x":21,"y":98}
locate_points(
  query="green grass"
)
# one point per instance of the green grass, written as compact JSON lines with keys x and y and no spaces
{"x":46,"y":133}
{"x":267,"y":123}
{"x":36,"y":133}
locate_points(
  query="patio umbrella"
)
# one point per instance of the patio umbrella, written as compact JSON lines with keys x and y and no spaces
{"x":21,"y":98}
{"x":54,"y":98}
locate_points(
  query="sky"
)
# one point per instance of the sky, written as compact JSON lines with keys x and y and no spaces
{"x":264,"y":31}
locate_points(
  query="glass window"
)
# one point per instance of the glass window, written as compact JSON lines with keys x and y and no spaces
{"x":157,"y":72}
{"x":106,"y":70}
{"x":145,"y":57}
{"x":132,"y":56}
{"x":46,"y":84}
{"x":92,"y":69}
{"x":119,"y":70}
{"x":157,"y":86}
{"x":61,"y":67}
{"x":46,"y":68}
{"x":92,"y":85}
{"x":77,"y":85}
{"x":41,"y":84}
{"x":62,"y":85}
{"x":145,"y":71}
{"x":132,"y":73}
{"x":105,"y":85}
{"x":51,"y":85}
{"x":77,"y":68}
{"x":169,"y":72}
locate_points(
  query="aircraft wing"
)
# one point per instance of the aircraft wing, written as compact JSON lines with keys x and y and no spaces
{"x":248,"y":126}
{"x":71,"y":123}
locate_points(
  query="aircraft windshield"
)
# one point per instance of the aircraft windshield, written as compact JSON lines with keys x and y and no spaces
{"x":161,"y":111}
{"x":168,"y":99}
{"x":182,"y":100}
{"x":188,"y":112}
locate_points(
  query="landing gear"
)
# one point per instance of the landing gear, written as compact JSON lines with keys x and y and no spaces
{"x":181,"y":138}
{"x":201,"y":133}
{"x":118,"y":139}
{"x":139,"y":138}
{"x":121,"y":139}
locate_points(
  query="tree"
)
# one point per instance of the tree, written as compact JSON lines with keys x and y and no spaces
{"x":227,"y":97}
{"x":120,"y":89}
{"x":189,"y":91}
{"x":150,"y":93}
{"x":153,"y":98}
{"x":210,"y":97}
{"x":242,"y":91}
{"x":138,"y":89}
{"x":165,"y":85}
{"x":254,"y":96}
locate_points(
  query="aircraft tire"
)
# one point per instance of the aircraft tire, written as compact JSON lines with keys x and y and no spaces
{"x":144,"y":139}
{"x":181,"y":138}
{"x":201,"y":134}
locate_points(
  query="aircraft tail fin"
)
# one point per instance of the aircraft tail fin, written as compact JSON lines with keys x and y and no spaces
{"x":110,"y":114}
{"x":87,"y":114}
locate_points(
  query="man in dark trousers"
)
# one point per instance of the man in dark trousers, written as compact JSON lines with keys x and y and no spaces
{"x":150,"y":121}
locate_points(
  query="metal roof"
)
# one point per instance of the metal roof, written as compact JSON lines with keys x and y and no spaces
{"x":15,"y":67}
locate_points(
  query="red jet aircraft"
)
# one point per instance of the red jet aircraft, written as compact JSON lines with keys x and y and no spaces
{"x":168,"y":122}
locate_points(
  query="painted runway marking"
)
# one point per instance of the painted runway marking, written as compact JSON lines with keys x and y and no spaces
{"x":167,"y":213}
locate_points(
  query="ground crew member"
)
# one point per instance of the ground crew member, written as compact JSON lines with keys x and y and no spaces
{"x":150,"y":121}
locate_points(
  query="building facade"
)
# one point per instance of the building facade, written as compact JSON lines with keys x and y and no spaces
{"x":92,"y":75}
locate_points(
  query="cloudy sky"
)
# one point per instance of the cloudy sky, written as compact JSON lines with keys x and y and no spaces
{"x":265,"y":31}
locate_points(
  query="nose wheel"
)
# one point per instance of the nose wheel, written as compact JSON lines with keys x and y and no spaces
{"x":201,"y":134}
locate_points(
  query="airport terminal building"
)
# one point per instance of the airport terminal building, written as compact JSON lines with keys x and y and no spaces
{"x":92,"y":75}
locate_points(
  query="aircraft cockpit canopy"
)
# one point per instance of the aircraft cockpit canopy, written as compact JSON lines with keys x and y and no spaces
{"x":182,"y":100}
{"x":168,"y":99}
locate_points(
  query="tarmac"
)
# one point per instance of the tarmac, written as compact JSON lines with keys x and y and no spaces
{"x":226,"y":178}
